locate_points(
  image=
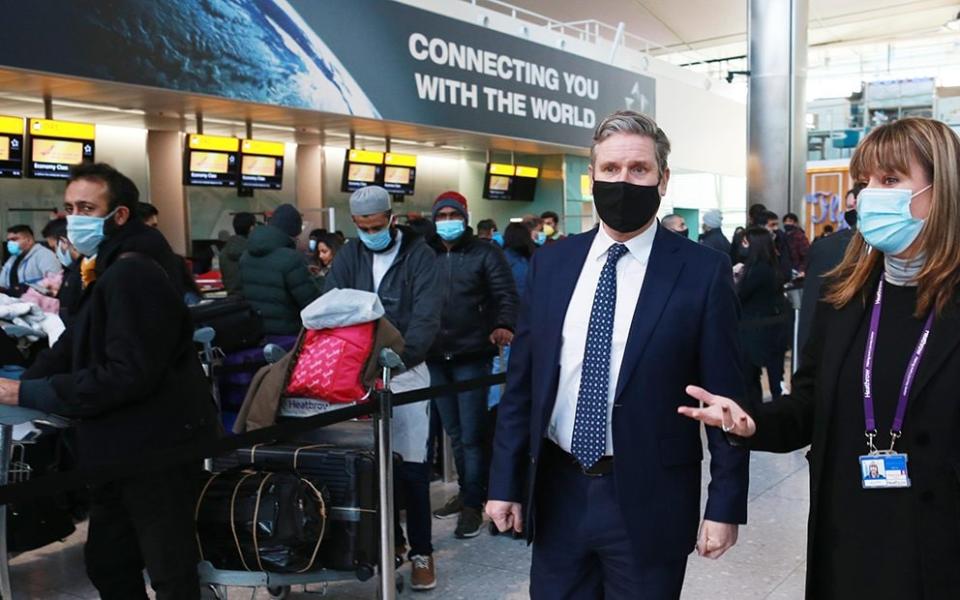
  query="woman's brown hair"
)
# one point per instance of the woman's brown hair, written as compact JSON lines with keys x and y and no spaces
{"x":887,"y":150}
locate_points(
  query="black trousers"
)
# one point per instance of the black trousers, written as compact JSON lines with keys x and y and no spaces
{"x":146,"y":521}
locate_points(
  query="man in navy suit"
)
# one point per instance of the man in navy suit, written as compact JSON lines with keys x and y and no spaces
{"x":590,"y":458}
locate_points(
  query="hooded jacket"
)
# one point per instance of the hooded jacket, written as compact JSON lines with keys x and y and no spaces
{"x":409,"y":290}
{"x":126,"y":368}
{"x":275,"y":280}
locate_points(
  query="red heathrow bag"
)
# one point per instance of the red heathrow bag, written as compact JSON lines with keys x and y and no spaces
{"x":330,"y":363}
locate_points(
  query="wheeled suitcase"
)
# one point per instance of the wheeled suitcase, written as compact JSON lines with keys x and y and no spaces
{"x":237,"y":324}
{"x":349,"y":475}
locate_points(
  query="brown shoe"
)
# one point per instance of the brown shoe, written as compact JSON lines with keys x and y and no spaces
{"x":424,"y":575}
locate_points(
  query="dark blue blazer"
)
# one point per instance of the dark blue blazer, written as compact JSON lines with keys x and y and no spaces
{"x":684,"y":332}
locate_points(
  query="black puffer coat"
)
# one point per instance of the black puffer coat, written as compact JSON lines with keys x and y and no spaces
{"x":479,"y":295}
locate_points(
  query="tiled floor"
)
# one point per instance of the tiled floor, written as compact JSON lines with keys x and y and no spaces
{"x":767,"y":563}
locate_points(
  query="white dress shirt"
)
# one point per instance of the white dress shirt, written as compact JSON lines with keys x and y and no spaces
{"x":382,"y":261}
{"x":631,"y":269}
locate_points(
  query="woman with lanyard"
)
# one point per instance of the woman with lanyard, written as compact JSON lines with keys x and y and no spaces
{"x":876,"y":396}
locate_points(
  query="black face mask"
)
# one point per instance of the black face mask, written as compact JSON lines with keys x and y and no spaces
{"x":625,"y":207}
{"x":851,"y":218}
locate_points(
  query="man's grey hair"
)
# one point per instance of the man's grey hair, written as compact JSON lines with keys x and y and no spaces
{"x":628,"y":121}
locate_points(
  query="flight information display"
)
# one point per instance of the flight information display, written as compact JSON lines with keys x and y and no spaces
{"x":261,"y":164}
{"x":11,"y":146}
{"x":510,"y":182}
{"x":211,"y":161}
{"x":399,"y":173}
{"x":360,"y":169}
{"x":56,"y":146}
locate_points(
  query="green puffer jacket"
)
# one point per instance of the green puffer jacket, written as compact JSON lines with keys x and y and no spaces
{"x":275,"y":280}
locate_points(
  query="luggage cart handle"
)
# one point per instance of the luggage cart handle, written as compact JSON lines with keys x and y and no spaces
{"x":389,"y":361}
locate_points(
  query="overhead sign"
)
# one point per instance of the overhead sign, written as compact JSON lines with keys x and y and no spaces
{"x":370,"y":58}
{"x":62,"y":129}
{"x":215,"y":143}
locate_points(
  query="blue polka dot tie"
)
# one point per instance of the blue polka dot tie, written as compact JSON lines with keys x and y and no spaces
{"x":590,"y":424}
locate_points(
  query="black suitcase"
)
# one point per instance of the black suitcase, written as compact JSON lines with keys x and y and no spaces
{"x":237,"y":324}
{"x":255,"y":520}
{"x":349,"y":475}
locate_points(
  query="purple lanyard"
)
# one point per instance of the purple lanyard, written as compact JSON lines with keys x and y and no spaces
{"x":908,"y":378}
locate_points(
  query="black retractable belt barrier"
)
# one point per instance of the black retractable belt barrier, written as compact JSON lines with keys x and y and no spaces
{"x":78,"y":478}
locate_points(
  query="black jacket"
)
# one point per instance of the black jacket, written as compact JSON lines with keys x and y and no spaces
{"x":409,"y":291}
{"x":760,"y":293}
{"x":275,"y":280}
{"x":479,"y":295}
{"x":70,"y":294}
{"x":763,"y":313}
{"x":825,"y":254}
{"x":126,"y":368}
{"x":932,"y":436}
{"x":230,"y":262}
{"x":716,"y":240}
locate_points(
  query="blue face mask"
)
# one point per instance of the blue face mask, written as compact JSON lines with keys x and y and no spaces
{"x":497,"y":238}
{"x":13,"y":248}
{"x":450,"y":229}
{"x":376,"y":242}
{"x":86,"y":233}
{"x":885,"y":220}
{"x":541,"y":238}
{"x":312,"y":244}
{"x":64,"y":256}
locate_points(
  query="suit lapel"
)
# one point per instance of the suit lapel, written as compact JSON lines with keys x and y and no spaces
{"x":563,"y":283}
{"x":559,"y":286}
{"x":663,"y":270}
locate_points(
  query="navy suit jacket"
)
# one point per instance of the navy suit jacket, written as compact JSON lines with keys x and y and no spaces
{"x":684,"y":331}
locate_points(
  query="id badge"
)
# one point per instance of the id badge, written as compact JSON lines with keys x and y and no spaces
{"x":884,"y":471}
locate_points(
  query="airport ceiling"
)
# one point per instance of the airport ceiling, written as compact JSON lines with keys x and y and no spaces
{"x":711,"y":28}
{"x":122,"y":105}
{"x":704,"y":24}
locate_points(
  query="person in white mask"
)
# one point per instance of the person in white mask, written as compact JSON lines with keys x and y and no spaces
{"x":878,"y":379}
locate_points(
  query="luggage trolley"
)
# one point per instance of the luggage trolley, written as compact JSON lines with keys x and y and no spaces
{"x":14,"y":469}
{"x":216,"y":581}
{"x":13,"y":464}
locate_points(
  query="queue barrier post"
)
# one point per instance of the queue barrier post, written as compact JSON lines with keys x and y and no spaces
{"x":389,"y":360}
